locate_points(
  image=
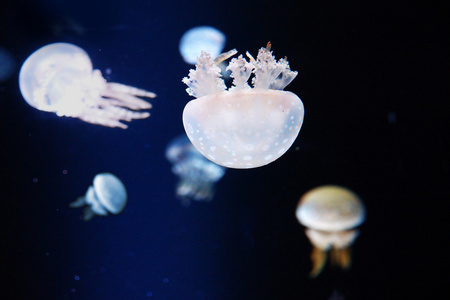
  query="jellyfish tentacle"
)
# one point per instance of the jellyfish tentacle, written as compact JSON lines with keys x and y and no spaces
{"x":78,"y":203}
{"x":126,"y":100}
{"x":88,"y":213}
{"x":131,"y":90}
{"x":318,"y":259}
{"x":110,"y":116}
{"x":205,"y":79}
{"x":99,"y":117}
{"x":241,"y":70}
{"x":106,"y":102}
{"x":341,"y":257}
{"x":126,"y":114}
{"x":224,"y":56}
{"x":250,"y":57}
{"x":269,"y":73}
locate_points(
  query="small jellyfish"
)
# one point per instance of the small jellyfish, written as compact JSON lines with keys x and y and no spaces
{"x":330,"y":213}
{"x":242,"y":127}
{"x":196,"y":39}
{"x":197,"y":174}
{"x":60,"y":78}
{"x":106,"y":195}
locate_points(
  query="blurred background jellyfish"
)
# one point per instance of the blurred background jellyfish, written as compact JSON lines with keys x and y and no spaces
{"x":196,"y":39}
{"x":197,"y":175}
{"x":242,"y":127}
{"x":60,"y":78}
{"x":7,"y":64}
{"x":106,"y":195}
{"x":330,"y":213}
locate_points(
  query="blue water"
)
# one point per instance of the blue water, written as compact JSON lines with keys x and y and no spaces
{"x":356,"y":71}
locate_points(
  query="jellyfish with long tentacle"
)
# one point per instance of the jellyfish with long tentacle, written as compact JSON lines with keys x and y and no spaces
{"x":59,"y":78}
{"x":242,"y":127}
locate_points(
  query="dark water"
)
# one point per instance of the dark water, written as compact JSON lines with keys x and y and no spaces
{"x":371,"y":77}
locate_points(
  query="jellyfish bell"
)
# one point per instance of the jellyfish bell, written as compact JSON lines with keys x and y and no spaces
{"x":242,"y":127}
{"x":198,"y":39}
{"x":330,"y":208}
{"x":59,"y":78}
{"x":111,"y":192}
{"x":330,"y":214}
{"x":40,"y":71}
{"x":107,"y":195}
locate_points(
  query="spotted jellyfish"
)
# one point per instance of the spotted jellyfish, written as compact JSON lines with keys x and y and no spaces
{"x":196,"y":39}
{"x":242,"y":127}
{"x":106,"y":195}
{"x":197,"y":175}
{"x":330,"y":214}
{"x":59,"y":78}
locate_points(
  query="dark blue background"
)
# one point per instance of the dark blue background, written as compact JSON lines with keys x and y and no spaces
{"x":360,"y":64}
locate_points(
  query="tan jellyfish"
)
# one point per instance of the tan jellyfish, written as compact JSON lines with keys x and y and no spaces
{"x":242,"y":127}
{"x":106,"y":195}
{"x":330,"y":214}
{"x":59,"y":78}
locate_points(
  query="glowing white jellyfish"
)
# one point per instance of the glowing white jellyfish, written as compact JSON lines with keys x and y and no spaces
{"x":196,"y":39}
{"x":197,"y":174}
{"x":242,"y":127}
{"x":59,"y":78}
{"x":330,"y":213}
{"x":106,"y":195}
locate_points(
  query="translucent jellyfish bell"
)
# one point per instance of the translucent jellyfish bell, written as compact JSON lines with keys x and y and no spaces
{"x":197,"y":174}
{"x":106,"y":195}
{"x":59,"y":78}
{"x":196,"y":39}
{"x":330,"y":213}
{"x":242,"y":127}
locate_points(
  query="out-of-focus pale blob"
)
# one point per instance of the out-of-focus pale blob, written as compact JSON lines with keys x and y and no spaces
{"x":197,"y":175}
{"x":330,"y":213}
{"x":7,"y":64}
{"x":242,"y":127}
{"x":106,"y":195}
{"x":198,"y":39}
{"x":59,"y":78}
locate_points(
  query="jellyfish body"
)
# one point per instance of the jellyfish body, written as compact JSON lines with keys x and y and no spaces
{"x":107,"y":195}
{"x":242,"y":127}
{"x":59,"y":78}
{"x":197,"y":175}
{"x":330,"y":214}
{"x":196,"y":39}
